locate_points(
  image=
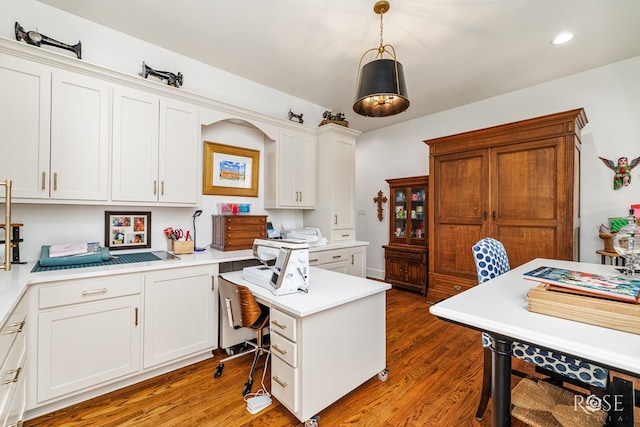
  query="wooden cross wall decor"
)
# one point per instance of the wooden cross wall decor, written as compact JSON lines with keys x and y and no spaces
{"x":379,"y":200}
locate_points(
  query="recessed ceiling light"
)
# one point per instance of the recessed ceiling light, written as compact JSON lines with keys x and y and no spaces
{"x":562,"y":38}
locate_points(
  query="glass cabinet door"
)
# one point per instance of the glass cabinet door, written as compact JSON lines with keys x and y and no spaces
{"x":417,"y":231}
{"x":400,"y":215}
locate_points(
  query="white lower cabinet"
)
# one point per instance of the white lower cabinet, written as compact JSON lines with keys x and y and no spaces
{"x":98,"y":334}
{"x":13,"y":368}
{"x":180,"y":315}
{"x":358,"y":261}
{"x":89,"y":333}
{"x":284,"y":368}
{"x":303,"y":377}
{"x":348,"y":260}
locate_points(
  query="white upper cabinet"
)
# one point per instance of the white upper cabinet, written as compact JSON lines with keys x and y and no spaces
{"x":335,"y":211}
{"x":155,"y":148}
{"x":25,"y":126}
{"x":55,"y":132}
{"x":179,"y":168}
{"x":291,"y":171}
{"x":79,"y":137}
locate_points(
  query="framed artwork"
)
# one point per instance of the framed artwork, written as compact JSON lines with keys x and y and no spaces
{"x":127,"y":230}
{"x":230,"y":170}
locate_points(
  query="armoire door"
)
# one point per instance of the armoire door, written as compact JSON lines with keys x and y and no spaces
{"x":460,"y":212}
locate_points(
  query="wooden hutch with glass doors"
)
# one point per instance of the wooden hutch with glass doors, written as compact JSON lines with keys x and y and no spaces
{"x":406,"y":253}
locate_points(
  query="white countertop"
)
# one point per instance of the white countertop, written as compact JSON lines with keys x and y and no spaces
{"x":14,"y":283}
{"x":499,"y":306}
{"x":327,"y":289}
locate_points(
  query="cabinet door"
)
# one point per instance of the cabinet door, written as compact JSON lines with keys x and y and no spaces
{"x":84,"y":345}
{"x":527,"y":202}
{"x":398,"y":214}
{"x":179,"y":167}
{"x":294,"y":161}
{"x":180,"y":315}
{"x":460,"y":210}
{"x":358,"y":261}
{"x":343,"y":184}
{"x":135,"y":145}
{"x":25,"y":120}
{"x":306,"y":171}
{"x":79,"y":137}
{"x":286,"y":158}
{"x":395,"y":270}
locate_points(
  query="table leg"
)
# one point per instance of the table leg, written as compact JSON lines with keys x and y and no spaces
{"x":501,"y":381}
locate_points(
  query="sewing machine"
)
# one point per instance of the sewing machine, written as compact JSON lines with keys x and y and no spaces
{"x":289,"y":274}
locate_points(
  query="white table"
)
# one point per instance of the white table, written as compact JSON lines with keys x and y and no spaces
{"x":335,"y":338}
{"x":499,"y":308}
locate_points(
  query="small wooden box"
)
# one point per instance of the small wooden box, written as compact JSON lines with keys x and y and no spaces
{"x":180,"y":246}
{"x":623,"y":316}
{"x":237,"y":232}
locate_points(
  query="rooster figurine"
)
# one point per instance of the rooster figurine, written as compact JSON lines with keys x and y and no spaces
{"x":622,"y":171}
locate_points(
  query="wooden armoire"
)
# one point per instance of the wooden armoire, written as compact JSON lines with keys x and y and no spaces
{"x":518,"y":183}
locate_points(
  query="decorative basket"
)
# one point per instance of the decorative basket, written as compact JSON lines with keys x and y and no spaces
{"x":608,"y":241}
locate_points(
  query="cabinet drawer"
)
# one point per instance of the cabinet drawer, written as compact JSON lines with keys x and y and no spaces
{"x":284,"y":349}
{"x":235,"y":222}
{"x":12,"y":372}
{"x":78,"y":291}
{"x":443,"y":288}
{"x":314,"y":259}
{"x":282,"y":324}
{"x":335,"y":255}
{"x":284,"y":384}
{"x":406,"y":255}
{"x":347,"y":234}
{"x":12,"y":329}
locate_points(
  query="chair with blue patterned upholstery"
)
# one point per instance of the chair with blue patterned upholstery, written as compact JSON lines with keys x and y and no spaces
{"x":491,"y":261}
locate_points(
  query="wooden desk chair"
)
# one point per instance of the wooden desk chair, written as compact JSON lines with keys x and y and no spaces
{"x":243,"y":311}
{"x":491,"y":261}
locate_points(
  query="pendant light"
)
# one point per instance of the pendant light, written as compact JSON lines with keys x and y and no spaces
{"x":380,"y":87}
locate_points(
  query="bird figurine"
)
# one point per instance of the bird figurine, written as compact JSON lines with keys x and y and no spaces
{"x":622,"y":171}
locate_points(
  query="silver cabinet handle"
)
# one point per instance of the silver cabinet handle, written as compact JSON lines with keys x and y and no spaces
{"x":278,"y":349}
{"x":280,"y":383}
{"x":275,"y":323}
{"x":18,"y":328}
{"x":94,"y":291}
{"x":16,"y":373}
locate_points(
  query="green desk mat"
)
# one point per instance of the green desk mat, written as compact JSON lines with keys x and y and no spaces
{"x":116,"y":259}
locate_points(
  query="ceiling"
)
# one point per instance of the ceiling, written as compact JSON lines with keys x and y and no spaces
{"x":453,"y":51}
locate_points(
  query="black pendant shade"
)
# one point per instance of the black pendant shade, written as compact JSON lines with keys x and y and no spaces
{"x":381,"y":89}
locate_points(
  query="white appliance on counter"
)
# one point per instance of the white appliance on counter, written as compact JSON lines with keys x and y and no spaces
{"x":311,"y":235}
{"x":290,"y":273}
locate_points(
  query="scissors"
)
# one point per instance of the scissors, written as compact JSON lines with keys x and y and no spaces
{"x":178,"y":234}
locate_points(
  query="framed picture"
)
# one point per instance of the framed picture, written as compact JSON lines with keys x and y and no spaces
{"x":230,"y":171}
{"x":127,"y":230}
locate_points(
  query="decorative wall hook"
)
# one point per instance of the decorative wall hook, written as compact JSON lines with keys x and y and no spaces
{"x":34,"y":38}
{"x":174,"y":80}
{"x":622,"y":171}
{"x":297,"y":117}
{"x":379,"y":200}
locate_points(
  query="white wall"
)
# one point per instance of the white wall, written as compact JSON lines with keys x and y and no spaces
{"x":610,"y":96}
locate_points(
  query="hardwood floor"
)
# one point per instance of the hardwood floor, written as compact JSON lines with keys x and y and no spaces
{"x":434,"y":380}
